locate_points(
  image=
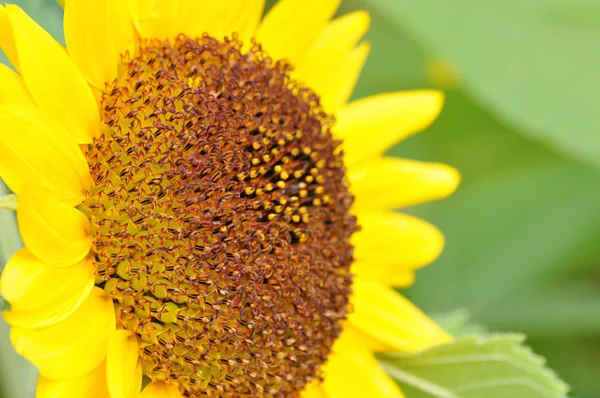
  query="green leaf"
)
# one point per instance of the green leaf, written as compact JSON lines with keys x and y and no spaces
{"x":534,"y":63}
{"x":497,"y":366}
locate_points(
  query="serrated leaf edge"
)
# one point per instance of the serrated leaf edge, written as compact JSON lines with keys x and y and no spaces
{"x":513,"y":340}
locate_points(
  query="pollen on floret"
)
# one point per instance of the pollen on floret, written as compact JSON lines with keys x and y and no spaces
{"x":220,"y":216}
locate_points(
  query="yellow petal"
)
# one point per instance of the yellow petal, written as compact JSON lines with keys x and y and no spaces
{"x":122,"y":364}
{"x":396,"y":240}
{"x":54,"y":82}
{"x":390,"y":183}
{"x":353,"y":372}
{"x":13,"y":89}
{"x":291,"y":27}
{"x":135,"y":388}
{"x":386,"y":273}
{"x":89,"y":385}
{"x":40,"y":295}
{"x":34,"y":150}
{"x":313,"y":390}
{"x":73,"y":346}
{"x":224,"y":17}
{"x":97,"y":52}
{"x":372,"y":125}
{"x":391,"y":320}
{"x":340,"y":88}
{"x":159,"y":389}
{"x":162,"y":19}
{"x":325,"y":59}
{"x":7,"y":44}
{"x":55,"y":233}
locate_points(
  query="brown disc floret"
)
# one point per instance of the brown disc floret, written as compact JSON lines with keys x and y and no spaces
{"x":220,"y":214}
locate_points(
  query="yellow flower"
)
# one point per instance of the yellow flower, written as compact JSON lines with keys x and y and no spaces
{"x":185,"y":195}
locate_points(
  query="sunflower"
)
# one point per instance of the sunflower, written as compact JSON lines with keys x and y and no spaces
{"x":203,"y":211}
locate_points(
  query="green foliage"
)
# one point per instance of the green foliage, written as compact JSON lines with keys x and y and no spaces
{"x":514,"y":57}
{"x":475,"y":367}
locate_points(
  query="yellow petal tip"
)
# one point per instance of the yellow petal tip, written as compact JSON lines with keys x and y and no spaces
{"x":446,"y":179}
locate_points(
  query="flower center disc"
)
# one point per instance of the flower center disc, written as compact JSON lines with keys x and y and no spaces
{"x":220,"y":212}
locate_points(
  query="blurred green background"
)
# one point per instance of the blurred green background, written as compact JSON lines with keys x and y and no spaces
{"x":522,"y":83}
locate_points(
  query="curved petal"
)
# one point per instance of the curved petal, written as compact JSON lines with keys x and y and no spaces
{"x":353,"y":372}
{"x":291,"y":27}
{"x":89,"y":385}
{"x":161,"y":19}
{"x":388,"y":274}
{"x":390,"y":321}
{"x":32,"y":150}
{"x":55,"y":233}
{"x":53,"y":80}
{"x":325,"y":59}
{"x":159,"y":389}
{"x":123,"y":378}
{"x":74,"y":346}
{"x":396,"y":240}
{"x":224,"y":17}
{"x":340,"y":88}
{"x":372,"y":125}
{"x":40,"y":295}
{"x":390,"y":183}
{"x":135,"y":388}
{"x":7,"y":44}
{"x":97,"y":52}
{"x":13,"y":89}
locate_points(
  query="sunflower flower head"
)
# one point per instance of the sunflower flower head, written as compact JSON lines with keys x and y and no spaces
{"x":221,"y":221}
{"x":210,"y":212}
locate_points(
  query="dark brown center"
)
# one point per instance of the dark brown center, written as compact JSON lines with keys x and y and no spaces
{"x":220,"y":210}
